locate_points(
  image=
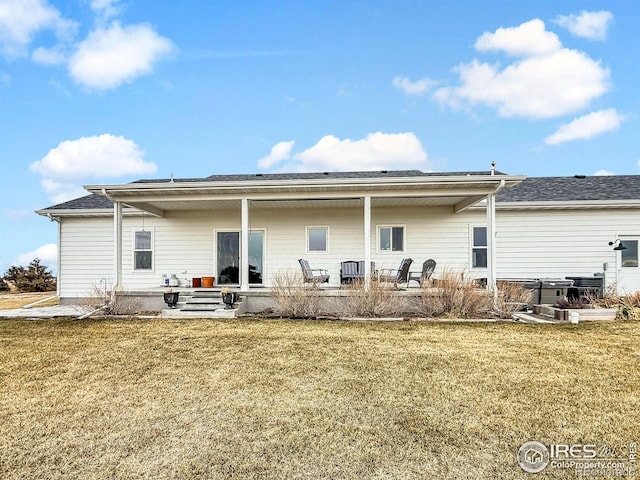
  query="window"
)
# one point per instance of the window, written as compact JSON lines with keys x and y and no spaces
{"x":317,"y":239}
{"x":479,"y":247}
{"x":390,"y":239}
{"x":143,"y":251}
{"x":630,"y":255}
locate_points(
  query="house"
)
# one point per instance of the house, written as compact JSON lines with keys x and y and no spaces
{"x":246,"y":229}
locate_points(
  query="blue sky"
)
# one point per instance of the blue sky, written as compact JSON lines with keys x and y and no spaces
{"x":109,"y":91}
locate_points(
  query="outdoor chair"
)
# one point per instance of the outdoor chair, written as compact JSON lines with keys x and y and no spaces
{"x":398,"y":276}
{"x":425,"y":276}
{"x":316,"y":275}
{"x":348,"y":272}
{"x":352,"y":270}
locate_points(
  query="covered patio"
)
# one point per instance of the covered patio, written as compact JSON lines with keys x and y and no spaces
{"x":261,"y":204}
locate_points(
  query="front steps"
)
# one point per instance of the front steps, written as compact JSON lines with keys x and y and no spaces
{"x":201,"y":303}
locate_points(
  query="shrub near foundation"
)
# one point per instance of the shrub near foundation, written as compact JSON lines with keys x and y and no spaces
{"x":511,"y":298}
{"x":293,"y":298}
{"x":454,"y":296}
{"x":113,"y":303}
{"x":380,"y":300}
{"x":628,"y":305}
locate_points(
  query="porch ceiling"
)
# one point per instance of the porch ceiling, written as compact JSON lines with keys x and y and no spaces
{"x":220,"y":204}
{"x":457,"y":191}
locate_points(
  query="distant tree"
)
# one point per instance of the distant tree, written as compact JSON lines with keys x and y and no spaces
{"x":4,"y":286}
{"x":34,"y":278}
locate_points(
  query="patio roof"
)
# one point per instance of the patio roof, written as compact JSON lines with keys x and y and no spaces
{"x":386,"y":188}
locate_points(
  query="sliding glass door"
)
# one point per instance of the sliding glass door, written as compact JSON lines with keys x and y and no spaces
{"x":228,"y":257}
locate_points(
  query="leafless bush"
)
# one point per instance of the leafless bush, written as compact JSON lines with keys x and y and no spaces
{"x":114,"y":303}
{"x":454,"y":296}
{"x":294,"y":298}
{"x":511,"y":298}
{"x":628,"y":305}
{"x":378,"y":301}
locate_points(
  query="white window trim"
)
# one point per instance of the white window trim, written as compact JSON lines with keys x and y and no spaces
{"x":472,"y":246}
{"x":306,"y":240}
{"x":134,"y":250}
{"x":391,"y":251}
{"x":629,"y":238}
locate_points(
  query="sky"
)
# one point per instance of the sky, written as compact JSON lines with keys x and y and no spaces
{"x":110,"y":91}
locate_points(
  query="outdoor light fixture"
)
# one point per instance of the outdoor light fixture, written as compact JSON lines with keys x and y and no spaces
{"x":619,"y":246}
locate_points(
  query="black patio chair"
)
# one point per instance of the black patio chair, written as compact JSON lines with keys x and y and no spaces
{"x":349,"y":271}
{"x":425,"y":275}
{"x":397,"y":277}
{"x":316,"y":275}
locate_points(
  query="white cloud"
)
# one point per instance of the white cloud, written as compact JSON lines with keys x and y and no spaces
{"x":419,"y":87}
{"x":116,"y":55}
{"x":21,"y":20}
{"x":530,"y":38}
{"x":98,"y":156}
{"x":60,"y":192}
{"x":105,"y":8}
{"x":49,"y":56}
{"x":603,"y":173}
{"x":587,"y":126}
{"x":591,"y":25}
{"x":48,"y":254}
{"x":558,"y":82}
{"x":280,"y":151}
{"x":376,"y":151}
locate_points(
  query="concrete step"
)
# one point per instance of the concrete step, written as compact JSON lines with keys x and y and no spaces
{"x":219,"y":313}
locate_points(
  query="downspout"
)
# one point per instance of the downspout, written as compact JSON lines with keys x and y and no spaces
{"x":58,"y":249}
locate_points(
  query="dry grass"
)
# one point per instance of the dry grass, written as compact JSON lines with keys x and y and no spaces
{"x":380,"y":300}
{"x":301,"y":399}
{"x":293,"y":298}
{"x":114,"y":303}
{"x":455,"y":296}
{"x":510,"y":298}
{"x":19,"y":300}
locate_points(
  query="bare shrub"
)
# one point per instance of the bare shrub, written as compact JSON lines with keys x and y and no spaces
{"x":454,"y":296}
{"x":378,"y":301}
{"x":511,"y":298}
{"x":294,"y":298}
{"x":628,"y":305}
{"x":114,"y":303}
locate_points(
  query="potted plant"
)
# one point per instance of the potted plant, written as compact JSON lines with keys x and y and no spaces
{"x":228,"y":297}
{"x":171,"y":298}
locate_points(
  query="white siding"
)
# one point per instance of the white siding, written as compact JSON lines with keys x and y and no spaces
{"x":537,"y":244}
{"x":559,"y":243}
{"x":86,"y":255}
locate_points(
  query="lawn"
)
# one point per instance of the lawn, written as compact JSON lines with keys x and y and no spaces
{"x":251,"y":399}
{"x":19,"y":300}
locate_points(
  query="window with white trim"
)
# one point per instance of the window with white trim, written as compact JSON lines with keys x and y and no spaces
{"x":317,"y":239}
{"x":391,"y":238}
{"x":143,"y":250}
{"x":479,"y":247}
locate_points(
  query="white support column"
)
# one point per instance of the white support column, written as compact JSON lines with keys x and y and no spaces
{"x":117,"y":244}
{"x":244,"y":246}
{"x":491,"y":243}
{"x":367,"y":242}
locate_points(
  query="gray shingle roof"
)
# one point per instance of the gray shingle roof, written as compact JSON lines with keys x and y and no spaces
{"x":532,"y":189}
{"x":577,"y":188}
{"x":88,"y":202}
{"x":315,"y":176}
